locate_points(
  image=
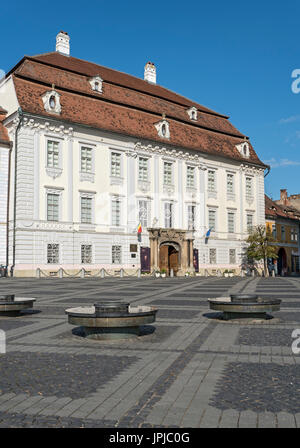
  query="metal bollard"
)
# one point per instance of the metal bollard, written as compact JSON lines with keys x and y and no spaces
{"x":38,"y":273}
{"x":171,"y":273}
{"x":121,"y":272}
{"x":139,"y":273}
{"x":60,"y":273}
{"x":102,"y":273}
{"x":82,"y":273}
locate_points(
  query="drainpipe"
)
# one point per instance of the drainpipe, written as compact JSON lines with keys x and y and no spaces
{"x":268,"y":171}
{"x":20,"y":115}
{"x":7,"y":209}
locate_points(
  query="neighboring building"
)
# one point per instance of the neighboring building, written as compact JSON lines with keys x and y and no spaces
{"x":96,"y":151}
{"x":283,"y":222}
{"x":292,"y":202}
{"x":5,"y":155}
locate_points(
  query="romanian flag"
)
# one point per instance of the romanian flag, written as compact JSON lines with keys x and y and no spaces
{"x":139,"y":232}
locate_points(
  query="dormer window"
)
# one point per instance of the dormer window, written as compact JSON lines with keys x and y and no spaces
{"x":96,"y":84}
{"x":193,"y":113}
{"x":163,"y":129}
{"x":244,"y":149}
{"x":51,"y":102}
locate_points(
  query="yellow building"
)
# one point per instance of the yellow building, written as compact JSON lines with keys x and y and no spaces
{"x":283,"y":222}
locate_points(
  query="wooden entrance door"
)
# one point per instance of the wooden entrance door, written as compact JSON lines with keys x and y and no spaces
{"x":168,"y":259}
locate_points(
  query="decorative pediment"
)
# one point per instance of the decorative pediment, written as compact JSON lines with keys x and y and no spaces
{"x":193,"y":113}
{"x":244,"y":149}
{"x":96,"y":83}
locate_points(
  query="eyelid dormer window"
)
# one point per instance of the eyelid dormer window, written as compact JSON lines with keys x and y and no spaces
{"x":97,"y":84}
{"x":51,"y":102}
{"x":244,"y":149}
{"x":163,"y":128}
{"x":193,"y":113}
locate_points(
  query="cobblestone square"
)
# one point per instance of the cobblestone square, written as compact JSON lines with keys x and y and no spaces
{"x":186,"y":370}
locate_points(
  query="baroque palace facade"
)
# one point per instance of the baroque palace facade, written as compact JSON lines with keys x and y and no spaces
{"x":87,"y":153}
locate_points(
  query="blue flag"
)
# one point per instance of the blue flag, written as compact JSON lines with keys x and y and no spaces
{"x":208,"y":233}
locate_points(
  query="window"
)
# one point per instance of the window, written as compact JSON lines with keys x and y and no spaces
{"x":230,"y":221}
{"x":190,"y":176}
{"x":274,"y":232}
{"x":116,"y":255}
{"x":232,"y":256}
{"x":86,"y":160}
{"x":212,"y":220}
{"x":211,"y":180}
{"x":115,"y":164}
{"x":86,"y":210}
{"x":212,"y":256}
{"x":282,"y":233}
{"x":168,"y":215}
{"x":167,"y":173}
{"x":143,"y":168}
{"x":86,"y":253}
{"x":249,"y":187}
{"x":116,"y":212}
{"x":230,"y":188}
{"x":249,"y":222}
{"x":191,"y":217}
{"x":52,"y":207}
{"x":143,"y":214}
{"x":294,"y":234}
{"x":53,"y":253}
{"x":52,"y":154}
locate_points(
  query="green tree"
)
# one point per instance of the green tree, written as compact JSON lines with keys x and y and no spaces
{"x":261,"y":246}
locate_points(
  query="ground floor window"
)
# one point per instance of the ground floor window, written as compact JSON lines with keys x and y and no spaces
{"x":232,"y":256}
{"x":53,"y":253}
{"x":116,"y":254}
{"x":212,"y":256}
{"x":86,"y":253}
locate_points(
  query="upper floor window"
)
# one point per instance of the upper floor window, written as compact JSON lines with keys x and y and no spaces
{"x":249,"y":188}
{"x":212,"y":220}
{"x":115,"y":164}
{"x":294,"y":234}
{"x":168,"y":214}
{"x":143,"y":213}
{"x":96,"y":84}
{"x":116,"y":212}
{"x":86,"y":160}
{"x":168,"y":173}
{"x":274,"y":232}
{"x":52,"y":207}
{"x":86,"y":210}
{"x":52,"y":154}
{"x":230,"y":219}
{"x":230,"y":183}
{"x":190,"y":176}
{"x":211,"y":179}
{"x":191,"y":217}
{"x":282,"y":233}
{"x":249,"y":222}
{"x":143,"y":168}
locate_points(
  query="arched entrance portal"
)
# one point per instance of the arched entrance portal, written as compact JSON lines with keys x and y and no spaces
{"x":282,"y":262}
{"x":169,"y":254}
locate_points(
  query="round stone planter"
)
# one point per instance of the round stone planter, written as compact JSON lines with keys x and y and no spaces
{"x":244,"y":306}
{"x":13,"y":306}
{"x":111,"y":320}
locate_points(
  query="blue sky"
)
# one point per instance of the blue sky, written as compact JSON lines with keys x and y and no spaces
{"x":233,"y":57}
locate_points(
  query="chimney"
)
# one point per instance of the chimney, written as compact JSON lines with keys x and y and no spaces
{"x":63,"y":43}
{"x":150,"y":73}
{"x":283,"y":196}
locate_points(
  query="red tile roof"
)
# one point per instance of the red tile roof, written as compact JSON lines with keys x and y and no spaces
{"x":128,"y":105}
{"x":273,"y":210}
{"x":4,"y":139}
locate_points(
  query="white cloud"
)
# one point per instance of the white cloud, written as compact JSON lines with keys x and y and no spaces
{"x":291,"y":119}
{"x":281,"y":163}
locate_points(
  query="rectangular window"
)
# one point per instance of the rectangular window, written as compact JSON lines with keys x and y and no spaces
{"x":143,"y":214}
{"x":230,"y":188}
{"x":249,"y":222}
{"x":86,"y":160}
{"x":274,"y":232}
{"x":116,"y":212}
{"x":190,"y":176}
{"x":116,"y":255}
{"x":282,"y":233}
{"x":212,"y":256}
{"x":53,"y":253}
{"x":249,"y":191}
{"x":211,"y":178}
{"x":52,"y":154}
{"x":167,"y":173}
{"x":52,"y":207}
{"x":212,"y":220}
{"x":232,"y":256}
{"x":86,"y":210}
{"x":191,"y":217}
{"x":86,"y":253}
{"x":168,"y":215}
{"x":143,"y":168}
{"x":230,"y":220}
{"x":115,"y":164}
